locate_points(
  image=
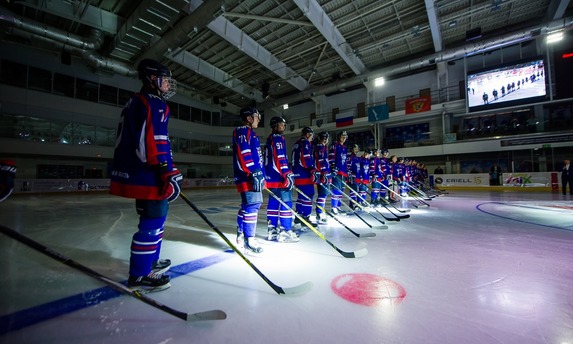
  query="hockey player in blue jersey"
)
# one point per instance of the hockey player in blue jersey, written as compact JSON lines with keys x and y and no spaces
{"x":363,"y":176}
{"x":354,"y":175}
{"x":143,"y":169}
{"x":322,"y":165}
{"x":249,"y":178}
{"x":377,"y":176}
{"x":280,"y":180}
{"x":305,"y":174}
{"x":337,"y":156}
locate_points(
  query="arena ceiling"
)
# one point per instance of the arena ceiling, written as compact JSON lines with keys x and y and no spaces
{"x":234,"y":52}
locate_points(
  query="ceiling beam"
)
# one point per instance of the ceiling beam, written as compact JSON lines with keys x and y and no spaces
{"x":556,"y":9}
{"x":207,"y":70}
{"x":326,"y":27}
{"x":232,"y":34}
{"x":434,"y":25}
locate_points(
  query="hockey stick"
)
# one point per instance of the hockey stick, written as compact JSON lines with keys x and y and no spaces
{"x":383,"y":226}
{"x":399,"y":196}
{"x":360,"y":253}
{"x":361,"y":207}
{"x":208,"y":315}
{"x":334,"y":217}
{"x":422,"y":194}
{"x":279,"y":290}
{"x":414,"y":194}
{"x":395,"y":218}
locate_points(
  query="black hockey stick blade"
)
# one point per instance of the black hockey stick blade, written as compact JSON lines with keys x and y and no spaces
{"x":208,"y":315}
{"x":357,"y":254}
{"x":278,"y":289}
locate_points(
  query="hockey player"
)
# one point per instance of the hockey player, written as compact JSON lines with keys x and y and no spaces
{"x":377,"y":175}
{"x":363,"y":176}
{"x":354,"y":175}
{"x":386,"y":173}
{"x":143,"y":169}
{"x":280,"y":180}
{"x":7,"y":175}
{"x":249,"y":178}
{"x":305,"y":174}
{"x":398,"y":175}
{"x":323,"y":167}
{"x":337,"y":157}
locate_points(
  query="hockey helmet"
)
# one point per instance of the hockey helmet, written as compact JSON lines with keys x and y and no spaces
{"x":385,"y":151}
{"x":307,"y":130}
{"x":355,"y":146}
{"x":148,"y":67}
{"x":248,"y":111}
{"x":275,"y":121}
{"x":341,"y":133}
{"x":323,"y":136}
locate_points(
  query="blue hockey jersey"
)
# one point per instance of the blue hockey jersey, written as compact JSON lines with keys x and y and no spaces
{"x":276,"y":161}
{"x":247,"y":157}
{"x":142,"y":144}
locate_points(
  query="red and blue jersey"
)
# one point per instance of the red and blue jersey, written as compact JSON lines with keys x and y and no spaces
{"x":302,"y":162}
{"x":321,"y":158}
{"x":142,"y":144}
{"x":338,"y":156}
{"x":353,"y":166}
{"x":247,"y":157}
{"x":276,"y":161}
{"x":364,"y":172}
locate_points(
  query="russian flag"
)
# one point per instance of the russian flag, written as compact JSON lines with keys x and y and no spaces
{"x":344,"y":119}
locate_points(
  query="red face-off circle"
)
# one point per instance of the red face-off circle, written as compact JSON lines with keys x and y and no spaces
{"x":368,"y":290}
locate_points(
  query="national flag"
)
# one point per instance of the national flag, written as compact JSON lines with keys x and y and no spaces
{"x":344,"y":119}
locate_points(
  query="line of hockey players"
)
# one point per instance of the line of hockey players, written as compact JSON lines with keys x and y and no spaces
{"x":316,"y":168}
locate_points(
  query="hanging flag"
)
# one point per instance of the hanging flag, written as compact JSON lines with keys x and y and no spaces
{"x":417,"y":105}
{"x":344,"y":119}
{"x":378,"y":113}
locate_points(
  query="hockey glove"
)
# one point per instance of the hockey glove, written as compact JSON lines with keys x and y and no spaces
{"x":315,"y":176}
{"x":258,"y":180}
{"x":171,"y":185}
{"x":7,"y":174}
{"x":288,"y":181}
{"x":325,"y":179}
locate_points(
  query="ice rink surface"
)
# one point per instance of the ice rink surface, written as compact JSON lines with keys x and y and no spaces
{"x":473,"y":267}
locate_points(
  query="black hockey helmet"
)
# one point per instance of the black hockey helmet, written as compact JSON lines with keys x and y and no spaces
{"x":385,"y":151}
{"x":323,"y":136}
{"x":148,"y":67}
{"x":248,"y":111}
{"x":307,"y":130}
{"x":275,"y":121}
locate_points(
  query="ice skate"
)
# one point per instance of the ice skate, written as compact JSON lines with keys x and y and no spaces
{"x":149,"y":284}
{"x":288,"y":236}
{"x":322,"y":219}
{"x":272,"y":233}
{"x":252,"y":247}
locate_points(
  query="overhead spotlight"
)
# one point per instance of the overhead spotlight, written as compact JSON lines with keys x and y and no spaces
{"x":554,"y":37}
{"x":453,"y":23}
{"x":285,"y":106}
{"x":379,"y":82}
